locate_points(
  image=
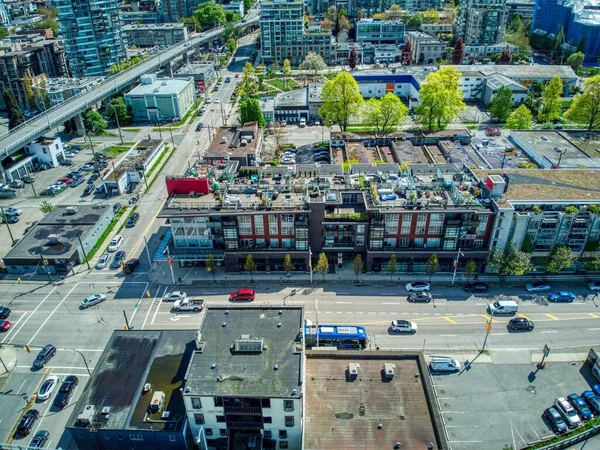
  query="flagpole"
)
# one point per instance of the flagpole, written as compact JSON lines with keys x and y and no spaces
{"x":310,"y":264}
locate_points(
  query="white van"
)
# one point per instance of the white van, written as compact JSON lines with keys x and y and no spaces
{"x":503,"y":307}
{"x":302,"y":122}
{"x":444,"y":364}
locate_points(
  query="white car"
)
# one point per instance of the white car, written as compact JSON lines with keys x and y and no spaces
{"x":417,"y":286}
{"x":404,"y":326}
{"x":594,"y":286}
{"x":568,"y":412}
{"x":12,"y":212}
{"x":174,"y":296}
{"x":61,"y":185}
{"x":217,"y":100}
{"x":209,"y":100}
{"x":538,"y":286}
{"x":92,"y":300}
{"x":103,"y":261}
{"x":48,"y":388}
{"x":115,"y":243}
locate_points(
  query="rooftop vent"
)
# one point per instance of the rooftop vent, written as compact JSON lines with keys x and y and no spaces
{"x":54,"y":239}
{"x":165,"y":415}
{"x":247,"y":346}
{"x":388,"y":370}
{"x":353,"y":369}
{"x":86,"y":416}
{"x":106,"y":410}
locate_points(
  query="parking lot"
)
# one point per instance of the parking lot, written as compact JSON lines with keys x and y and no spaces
{"x":503,"y":403}
{"x":302,"y":138}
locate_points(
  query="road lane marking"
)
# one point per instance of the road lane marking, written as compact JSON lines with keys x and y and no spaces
{"x":158,"y":305}
{"x":487,"y":318}
{"x":136,"y":308}
{"x":343,"y":303}
{"x":449,"y":320}
{"x":552,"y":331}
{"x":448,"y":335}
{"x":593,"y":329}
{"x":14,"y":326}
{"x":32,"y":313}
{"x":551,"y":316}
{"x":523,"y":316}
{"x":51,"y":314}
{"x":594,"y":315}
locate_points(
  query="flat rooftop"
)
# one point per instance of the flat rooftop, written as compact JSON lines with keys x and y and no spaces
{"x":344,"y":413}
{"x":522,"y":71}
{"x":131,"y":359}
{"x":246,"y":344}
{"x":135,"y":159}
{"x":162,"y":86}
{"x":233,"y":142}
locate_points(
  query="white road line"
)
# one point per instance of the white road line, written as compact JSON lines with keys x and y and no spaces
{"x":593,"y":329}
{"x":390,"y":303}
{"x":554,"y":331}
{"x":343,"y":303}
{"x":51,"y":314}
{"x":158,"y":305}
{"x":388,"y":293}
{"x":59,"y":367}
{"x":80,"y":349}
{"x":14,"y":326}
{"x":33,"y":312}
{"x":481,"y":304}
{"x":22,"y":384}
{"x":69,"y":373}
{"x":448,"y":335}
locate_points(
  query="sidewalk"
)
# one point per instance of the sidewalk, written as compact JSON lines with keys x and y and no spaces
{"x":9,"y":357}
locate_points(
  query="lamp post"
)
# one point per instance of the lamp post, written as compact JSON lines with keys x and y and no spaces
{"x":43,"y":105}
{"x":560,"y":158}
{"x":458,"y":255}
{"x":84,"y":361}
{"x":114,"y":111}
{"x":83,"y":250}
{"x":89,"y":135}
{"x":5,"y":219}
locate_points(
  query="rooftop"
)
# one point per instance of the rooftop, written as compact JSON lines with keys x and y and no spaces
{"x":163,"y":86}
{"x":522,"y":71}
{"x":295,"y":98}
{"x":194,"y":68}
{"x":249,"y":352}
{"x":496,"y":81}
{"x":59,"y":84}
{"x":342,"y":412}
{"x":135,"y":159}
{"x":152,"y":26}
{"x":234,"y":142}
{"x":130,"y":360}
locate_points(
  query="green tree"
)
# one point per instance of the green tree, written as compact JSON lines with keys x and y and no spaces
{"x":287,"y":70}
{"x":229,"y":32}
{"x":501,"y":105}
{"x":441,"y":99}
{"x":248,"y":84}
{"x":250,"y":111}
{"x":593,"y":265}
{"x":585,"y":109}
{"x":385,"y":114}
{"x":431,"y":16}
{"x":517,"y":23}
{"x":118,"y":110}
{"x":357,"y":266}
{"x":15,"y":116}
{"x":29,"y":95}
{"x":551,"y":100}
{"x":49,"y":20}
{"x":414,"y":21}
{"x":575,"y":59}
{"x":561,"y":258}
{"x":231,"y":17}
{"x":341,"y":99}
{"x":288,"y":266}
{"x":520,"y":119}
{"x":46,"y":207}
{"x":247,"y":6}
{"x":231,"y":45}
{"x":3,"y":32}
{"x":211,"y":266}
{"x":210,"y":14}
{"x":313,"y":62}
{"x":510,"y":261}
{"x":432,"y":265}
{"x":322,"y":265}
{"x":250,"y":266}
{"x":94,"y":122}
{"x":392,"y":266}
{"x":470,"y":268}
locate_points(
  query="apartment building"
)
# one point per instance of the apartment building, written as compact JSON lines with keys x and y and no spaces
{"x":370,"y":7}
{"x":380,"y":31}
{"x":93,"y":35}
{"x":482,"y":22}
{"x":425,"y":48}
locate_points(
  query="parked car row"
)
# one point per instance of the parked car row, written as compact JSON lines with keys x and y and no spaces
{"x":571,"y":411}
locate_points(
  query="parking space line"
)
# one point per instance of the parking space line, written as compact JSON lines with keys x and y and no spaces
{"x":552,"y":316}
{"x":32,"y":313}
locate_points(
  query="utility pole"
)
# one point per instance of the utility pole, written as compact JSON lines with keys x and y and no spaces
{"x":148,"y":252}
{"x":117,"y":119}
{"x":90,"y":134}
{"x":83,"y":250}
{"x":488,"y":329}
{"x":5,"y":218}
{"x":458,"y":255}
{"x":44,"y":261}
{"x":159,"y":130}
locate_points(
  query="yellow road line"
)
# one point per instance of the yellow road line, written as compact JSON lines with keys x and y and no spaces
{"x":449,"y":320}
{"x":594,"y":315}
{"x":552,"y":316}
{"x":487,"y":318}
{"x":137,"y":244}
{"x":524,"y":316}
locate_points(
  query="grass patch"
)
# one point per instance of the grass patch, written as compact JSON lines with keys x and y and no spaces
{"x":161,"y":167}
{"x":132,"y":130}
{"x":360,"y":128}
{"x":102,"y":238}
{"x":586,"y":426}
{"x":284,"y":86}
{"x":115,"y":150}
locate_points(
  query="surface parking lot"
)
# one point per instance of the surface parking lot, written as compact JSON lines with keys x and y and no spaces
{"x":493,"y":405}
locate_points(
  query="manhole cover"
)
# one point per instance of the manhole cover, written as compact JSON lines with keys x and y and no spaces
{"x":344,"y":416}
{"x":531,"y":389}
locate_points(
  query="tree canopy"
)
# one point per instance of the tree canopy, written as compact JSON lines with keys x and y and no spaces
{"x":313,"y":62}
{"x":94,"y":122}
{"x":576,"y":59}
{"x":585,"y":109}
{"x":551,"y":100}
{"x":117,"y":109}
{"x":341,"y":100}
{"x":511,"y":261}
{"x":520,"y":119}
{"x":250,"y":111}
{"x":501,"y":104}
{"x":441,"y":99}
{"x":15,"y":116}
{"x":561,"y":258}
{"x":210,"y":14}
{"x":385,"y":113}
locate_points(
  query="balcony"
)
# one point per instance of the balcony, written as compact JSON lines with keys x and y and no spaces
{"x":339,"y":244}
{"x":244,"y":425}
{"x":242,"y":410}
{"x":301,"y":222}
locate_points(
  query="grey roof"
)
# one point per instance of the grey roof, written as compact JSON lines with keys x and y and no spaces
{"x":521,"y":71}
{"x":131,"y":359}
{"x":161,"y":87}
{"x":248,"y":374}
{"x":85,"y":215}
{"x":297,"y":98}
{"x":496,"y":81}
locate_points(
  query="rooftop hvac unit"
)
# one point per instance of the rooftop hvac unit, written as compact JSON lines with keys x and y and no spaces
{"x":353,"y":369}
{"x":54,"y":239}
{"x":389,"y":370}
{"x":86,"y":416}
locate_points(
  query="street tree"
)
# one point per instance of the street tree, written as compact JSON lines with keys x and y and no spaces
{"x":229,"y":32}
{"x":29,"y":95}
{"x":561,"y":258}
{"x":322,"y":266}
{"x":551,"y":100}
{"x":432,"y":265}
{"x":385,"y":114}
{"x":211,"y":266}
{"x":358,"y":266}
{"x":210,"y":14}
{"x":250,"y":266}
{"x":341,"y":99}
{"x":288,"y":266}
{"x":4,"y":32}
{"x":15,"y":116}
{"x":249,"y":86}
{"x":510,"y":261}
{"x":94,"y":122}
{"x":46,"y":207}
{"x":458,"y":54}
{"x":470,"y":268}
{"x":575,"y":60}
{"x":279,"y":134}
{"x":406,"y":57}
{"x":250,"y":111}
{"x":392,"y":266}
{"x":313,"y":62}
{"x":585,"y":109}
{"x":353,"y":59}
{"x":287,"y":70}
{"x":431,"y":16}
{"x":520,"y":119}
{"x":593,"y":265}
{"x":501,"y":104}
{"x":118,"y":110}
{"x":247,"y":5}
{"x":441,"y":99}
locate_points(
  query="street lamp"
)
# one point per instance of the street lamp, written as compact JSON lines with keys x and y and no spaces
{"x":35,"y":97}
{"x":458,"y":255}
{"x":90,"y":134}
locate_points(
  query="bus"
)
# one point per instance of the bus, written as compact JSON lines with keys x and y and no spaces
{"x":340,"y":336}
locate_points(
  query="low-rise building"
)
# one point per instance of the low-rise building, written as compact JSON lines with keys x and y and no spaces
{"x":62,"y":89}
{"x":267,"y":106}
{"x":204,"y":74}
{"x":425,"y":48}
{"x":46,"y":151}
{"x":150,"y":35}
{"x":235,"y":6}
{"x":157,"y":99}
{"x":436,"y":29}
{"x":242,"y":144}
{"x":487,"y":51}
{"x":494,"y":82}
{"x":380,"y":53}
{"x":380,"y":31}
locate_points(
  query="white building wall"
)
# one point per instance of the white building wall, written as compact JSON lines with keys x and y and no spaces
{"x":47,"y":154}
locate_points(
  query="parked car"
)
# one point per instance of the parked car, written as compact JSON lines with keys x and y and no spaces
{"x":18,"y":184}
{"x":44,"y":356}
{"x":47,"y":388}
{"x":89,"y":189}
{"x":27,"y":421}
{"x":555,"y":420}
{"x":117,"y":207}
{"x":27,"y":180}
{"x":92,"y":300}
{"x":92,"y":178}
{"x":242,"y":295}
{"x":567,"y":412}
{"x":132,"y":220}
{"x":404,"y":326}
{"x":594,"y":286}
{"x":174,"y":296}
{"x":5,"y":325}
{"x":538,"y":286}
{"x":592,"y":400}
{"x":477,"y":286}
{"x":4,"y":312}
{"x":12,"y":211}
{"x":77,"y":181}
{"x":417,"y":286}
{"x":39,"y":440}
{"x":580,"y":406}
{"x":10,"y":219}
{"x":199,"y":127}
{"x":520,"y":324}
{"x":444,"y":364}
{"x":419,"y":297}
{"x":118,"y":259}
{"x":115,"y":243}
{"x":65,"y":180}
{"x":66,"y":391}
{"x":562,"y":297}
{"x":104,"y":259}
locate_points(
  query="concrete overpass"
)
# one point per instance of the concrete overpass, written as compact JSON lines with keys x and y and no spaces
{"x":28,"y":131}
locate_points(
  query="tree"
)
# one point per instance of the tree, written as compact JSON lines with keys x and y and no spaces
{"x":288,"y":266}
{"x":250,"y":111}
{"x":353,"y":59}
{"x":551,"y":100}
{"x":4,"y":32}
{"x":210,"y":14}
{"x":505,"y":57}
{"x":231,"y":45}
{"x":470,"y":268}
{"x":441,"y":99}
{"x":392,"y":266}
{"x":49,"y":20}
{"x":280,"y":135}
{"x":287,"y":70}
{"x":385,"y":114}
{"x":593,"y":265}
{"x":322,"y":265}
{"x":585,"y":109}
{"x":275,"y":67}
{"x":29,"y":95}
{"x":94,"y":122}
{"x":431,"y":16}
{"x":229,"y":32}
{"x":358,"y":266}
{"x":517,"y":23}
{"x":406,"y":57}
{"x":575,"y":59}
{"x":341,"y":99}
{"x":230,"y":17}
{"x":520,"y":119}
{"x":432,"y":265}
{"x":313,"y":62}
{"x":501,"y":104}
{"x":511,"y":261}
{"x":248,"y":83}
{"x":458,"y":54}
{"x":414,"y":21}
{"x":250,"y":266}
{"x":15,"y":116}
{"x":561,"y":258}
{"x":118,"y":110}
{"x":247,"y":6}
{"x":46,"y":207}
{"x":211,"y":266}
{"x":581,"y":46}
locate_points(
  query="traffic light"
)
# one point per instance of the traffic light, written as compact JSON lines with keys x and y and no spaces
{"x":148,"y":293}
{"x":46,"y":262}
{"x":28,"y":349}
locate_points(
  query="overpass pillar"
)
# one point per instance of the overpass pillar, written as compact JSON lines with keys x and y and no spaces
{"x":79,"y":124}
{"x":169,"y":68}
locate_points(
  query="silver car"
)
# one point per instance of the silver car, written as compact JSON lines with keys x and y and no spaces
{"x":103,"y":261}
{"x":538,"y":286}
{"x":92,"y":300}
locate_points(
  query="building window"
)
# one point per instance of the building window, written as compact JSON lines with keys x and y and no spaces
{"x":435,"y":229}
{"x":199,"y":418}
{"x":418,"y":242}
{"x":421,"y":218}
{"x":288,"y":405}
{"x":360,"y":240}
{"x":268,"y":434}
{"x":120,"y":437}
{"x":403,"y":242}
{"x":283,"y":444}
{"x":219,"y":401}
{"x":389,"y":242}
{"x":208,"y":431}
{"x":420,"y":229}
{"x":196,"y":403}
{"x":282,"y":434}
{"x":136,"y":437}
{"x":267,"y":419}
{"x":265,"y":402}
{"x":289,"y":421}
{"x":433,"y":242}
{"x":221,"y":419}
{"x":478,"y":243}
{"x":223,"y":431}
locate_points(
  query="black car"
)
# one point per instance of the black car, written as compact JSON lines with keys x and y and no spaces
{"x":92,"y":178}
{"x":4,"y":312}
{"x":27,"y":180}
{"x":117,"y":207}
{"x":44,"y":356}
{"x":520,"y":323}
{"x":130,"y":265}
{"x":132,"y":220}
{"x":419,"y":297}
{"x":10,"y":219}
{"x":118,"y":259}
{"x":555,"y":420}
{"x":27,"y":421}
{"x":199,"y":127}
{"x":40,"y":439}
{"x":477,"y":286}
{"x":89,"y":189}
{"x":67,"y":388}
{"x":131,"y":188}
{"x":77,"y":181}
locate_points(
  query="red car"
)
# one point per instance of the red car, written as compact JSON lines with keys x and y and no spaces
{"x":237,"y":75}
{"x":5,"y":325}
{"x":66,"y":180}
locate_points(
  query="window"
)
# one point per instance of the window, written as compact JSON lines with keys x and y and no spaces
{"x":260,"y":243}
{"x":136,"y":437}
{"x":172,"y":438}
{"x":420,"y":229}
{"x":282,"y":434}
{"x":391,"y":228}
{"x":478,"y":243}
{"x":274,"y":243}
{"x":223,"y":431}
{"x":199,"y":418}
{"x":360,"y":240}
{"x":289,"y":421}
{"x":221,"y":419}
{"x":283,"y":444}
{"x":268,"y":434}
{"x":418,"y":242}
{"x":196,"y":403}
{"x":219,"y":401}
{"x":288,"y":406}
{"x":421,"y":218}
{"x":433,"y":242}
{"x":435,"y":229}
{"x":259,"y":225}
{"x":287,"y":229}
{"x":273,"y":229}
{"x":208,"y":431}
{"x":389,"y":242}
{"x":360,"y":229}
{"x":267,"y":419}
